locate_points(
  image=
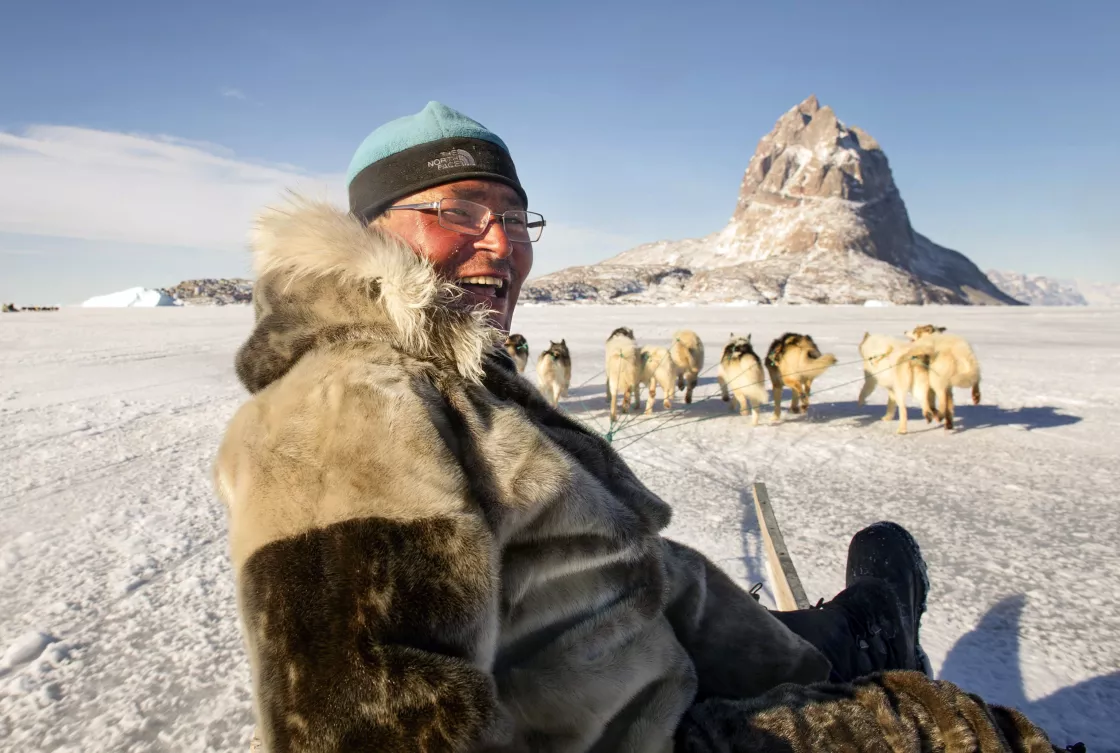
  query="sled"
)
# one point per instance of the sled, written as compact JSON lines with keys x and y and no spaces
{"x":789,"y":594}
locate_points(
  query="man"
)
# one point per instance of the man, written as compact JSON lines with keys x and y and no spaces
{"x":431,"y":558}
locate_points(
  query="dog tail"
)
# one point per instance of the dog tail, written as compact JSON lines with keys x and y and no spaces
{"x":918,"y":349}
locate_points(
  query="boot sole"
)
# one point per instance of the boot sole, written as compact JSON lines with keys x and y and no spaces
{"x":911,"y":547}
{"x":917,"y":561}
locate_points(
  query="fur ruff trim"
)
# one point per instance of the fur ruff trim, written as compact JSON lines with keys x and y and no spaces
{"x":309,"y":239}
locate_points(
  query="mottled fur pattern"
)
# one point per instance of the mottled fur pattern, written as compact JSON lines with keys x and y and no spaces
{"x":687,"y":352}
{"x":741,"y":376}
{"x":623,"y":370}
{"x":949,"y":362}
{"x":794,"y":361}
{"x":554,"y":372}
{"x":656,"y":371}
{"x":888,"y":363}
{"x":894,"y":711}
{"x":354,"y":662}
{"x":518,"y":348}
{"x":428,"y":556}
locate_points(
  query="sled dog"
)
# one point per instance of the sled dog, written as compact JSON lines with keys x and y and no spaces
{"x":554,"y":372}
{"x":741,"y":376}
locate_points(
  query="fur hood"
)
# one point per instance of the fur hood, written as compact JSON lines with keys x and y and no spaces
{"x":323,"y":277}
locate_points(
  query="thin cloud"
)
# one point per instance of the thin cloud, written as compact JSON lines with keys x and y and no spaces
{"x":61,"y":181}
{"x":82,"y":183}
{"x":231,"y":93}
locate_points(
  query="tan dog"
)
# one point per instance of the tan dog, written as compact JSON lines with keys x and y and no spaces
{"x":687,"y":352}
{"x":622,"y":369}
{"x":657,"y":370}
{"x":741,"y":376}
{"x":794,"y":361}
{"x":949,"y":362}
{"x":554,"y":372}
{"x":518,"y":348}
{"x":888,"y":363}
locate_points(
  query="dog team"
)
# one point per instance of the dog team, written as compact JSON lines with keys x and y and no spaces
{"x":927,"y":365}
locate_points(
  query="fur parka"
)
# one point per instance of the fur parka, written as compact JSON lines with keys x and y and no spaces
{"x":430,"y":557}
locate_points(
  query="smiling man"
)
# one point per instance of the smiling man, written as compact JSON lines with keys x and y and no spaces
{"x":429,"y":557}
{"x":445,"y":178}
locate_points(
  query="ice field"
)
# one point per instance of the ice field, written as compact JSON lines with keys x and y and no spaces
{"x":118,"y":628}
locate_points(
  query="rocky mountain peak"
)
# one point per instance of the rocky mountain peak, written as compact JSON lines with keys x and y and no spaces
{"x":818,"y":218}
{"x":810,"y":153}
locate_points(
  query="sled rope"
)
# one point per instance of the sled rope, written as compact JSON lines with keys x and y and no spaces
{"x":675,"y":420}
{"x":638,"y":421}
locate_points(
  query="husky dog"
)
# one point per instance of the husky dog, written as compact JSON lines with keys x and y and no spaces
{"x":554,"y":372}
{"x":518,"y":348}
{"x":741,"y":376}
{"x":687,"y":352}
{"x":656,"y":370}
{"x":888,"y":363}
{"x":794,"y":361}
{"x":622,"y":369}
{"x":948,"y":361}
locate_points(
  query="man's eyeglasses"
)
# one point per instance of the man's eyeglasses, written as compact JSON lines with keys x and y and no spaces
{"x":469,"y":218}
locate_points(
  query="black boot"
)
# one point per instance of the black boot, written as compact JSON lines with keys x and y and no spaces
{"x":872,"y":625}
{"x":888,"y":552}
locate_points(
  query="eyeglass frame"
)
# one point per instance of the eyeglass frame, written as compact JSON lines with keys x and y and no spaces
{"x":490,"y":216}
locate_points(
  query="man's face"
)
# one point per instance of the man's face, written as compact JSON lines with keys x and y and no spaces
{"x":457,"y":257}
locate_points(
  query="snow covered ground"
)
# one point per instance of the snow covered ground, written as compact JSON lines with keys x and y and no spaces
{"x":117,"y":618}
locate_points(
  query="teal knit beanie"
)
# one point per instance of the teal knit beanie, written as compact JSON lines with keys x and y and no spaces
{"x":435,"y":146}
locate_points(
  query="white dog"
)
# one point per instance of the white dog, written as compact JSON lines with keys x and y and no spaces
{"x":657,"y":370}
{"x":687,"y":352}
{"x":622,"y":369}
{"x":888,"y":363}
{"x":949,"y":362}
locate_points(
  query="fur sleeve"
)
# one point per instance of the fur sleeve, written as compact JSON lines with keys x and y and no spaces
{"x":366,"y":578}
{"x":739,"y":649}
{"x":890,"y":711}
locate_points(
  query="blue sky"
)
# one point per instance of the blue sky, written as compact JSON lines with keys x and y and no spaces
{"x":137,"y":138}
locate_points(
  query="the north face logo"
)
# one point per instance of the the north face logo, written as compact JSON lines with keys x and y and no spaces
{"x":454,"y":158}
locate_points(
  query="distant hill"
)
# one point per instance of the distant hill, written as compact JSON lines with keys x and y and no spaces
{"x":1039,"y":290}
{"x":213,"y":292}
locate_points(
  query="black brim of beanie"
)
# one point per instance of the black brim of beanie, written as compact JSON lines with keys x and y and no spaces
{"x":425,"y":166}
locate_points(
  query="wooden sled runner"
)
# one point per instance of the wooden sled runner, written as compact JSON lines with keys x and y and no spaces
{"x":789,"y":594}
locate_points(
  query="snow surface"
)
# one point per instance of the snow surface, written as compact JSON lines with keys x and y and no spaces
{"x":133,"y":297}
{"x":117,"y":618}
